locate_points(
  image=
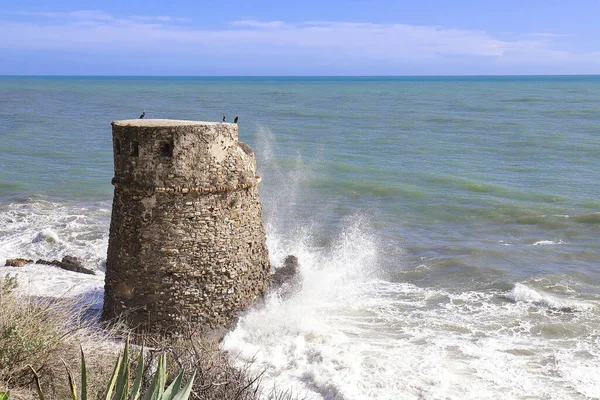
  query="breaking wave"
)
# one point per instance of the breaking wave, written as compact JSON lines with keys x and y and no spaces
{"x":525,"y":294}
{"x":42,"y":228}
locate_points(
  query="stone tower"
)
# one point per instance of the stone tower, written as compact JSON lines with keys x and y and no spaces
{"x":187,"y":241}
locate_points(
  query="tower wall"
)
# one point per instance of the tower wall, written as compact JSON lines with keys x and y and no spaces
{"x":186,"y":240}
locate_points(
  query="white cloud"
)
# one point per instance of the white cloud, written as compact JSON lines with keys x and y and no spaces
{"x":340,"y":43}
{"x":394,"y":41}
{"x":73,"y":15}
{"x":547,"y":35}
{"x":259,"y":24}
{"x":159,"y":18}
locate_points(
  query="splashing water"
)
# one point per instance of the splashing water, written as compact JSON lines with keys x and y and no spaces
{"x":499,"y":298}
{"x":305,"y":338}
{"x":37,"y":228}
{"x":352,"y":333}
{"x":40,"y":228}
{"x":523,"y":293}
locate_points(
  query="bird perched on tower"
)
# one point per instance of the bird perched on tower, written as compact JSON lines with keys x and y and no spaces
{"x":224,"y":118}
{"x":143,"y":114}
{"x":235,"y":120}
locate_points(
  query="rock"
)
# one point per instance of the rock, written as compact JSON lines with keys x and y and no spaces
{"x":72,"y":262}
{"x":69,"y":263}
{"x":287,"y":279}
{"x":17,"y":262}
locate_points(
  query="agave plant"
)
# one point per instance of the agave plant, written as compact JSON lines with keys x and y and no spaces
{"x":118,"y":386}
{"x":5,"y":395}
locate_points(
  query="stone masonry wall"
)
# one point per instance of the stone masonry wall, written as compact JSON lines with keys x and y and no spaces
{"x":186,"y":240}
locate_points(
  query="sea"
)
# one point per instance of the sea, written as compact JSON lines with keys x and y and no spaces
{"x":447,"y":228}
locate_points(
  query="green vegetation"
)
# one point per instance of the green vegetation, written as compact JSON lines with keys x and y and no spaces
{"x":28,"y":333}
{"x":42,"y":340}
{"x":118,"y":387}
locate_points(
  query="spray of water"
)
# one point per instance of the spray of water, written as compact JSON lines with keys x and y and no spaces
{"x":349,"y":334}
{"x":303,"y":343}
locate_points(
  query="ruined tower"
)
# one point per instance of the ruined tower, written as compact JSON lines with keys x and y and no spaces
{"x":186,"y":240}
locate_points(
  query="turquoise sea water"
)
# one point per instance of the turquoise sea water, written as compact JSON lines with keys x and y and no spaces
{"x":448,"y":227}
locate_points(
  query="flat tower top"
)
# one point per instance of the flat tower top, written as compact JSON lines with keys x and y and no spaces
{"x":163,"y":122}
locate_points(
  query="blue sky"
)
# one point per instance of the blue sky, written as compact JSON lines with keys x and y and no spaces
{"x":378,"y":37}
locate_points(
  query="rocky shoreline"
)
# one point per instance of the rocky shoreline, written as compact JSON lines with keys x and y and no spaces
{"x":69,"y":263}
{"x":286,"y":280}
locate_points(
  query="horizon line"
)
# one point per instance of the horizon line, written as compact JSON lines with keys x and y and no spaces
{"x":298,"y":76}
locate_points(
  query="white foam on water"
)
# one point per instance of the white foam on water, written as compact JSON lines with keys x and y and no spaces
{"x":523,"y":293}
{"x":49,"y":281}
{"x":43,"y":229}
{"x":371,"y":339}
{"x":46,"y":235}
{"x":302,"y":343}
{"x":547,"y":242}
{"x":350,"y":334}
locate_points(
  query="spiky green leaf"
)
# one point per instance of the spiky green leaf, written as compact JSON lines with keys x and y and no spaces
{"x":173,"y":388}
{"x":113,"y":380}
{"x":156,"y":389}
{"x":184,"y":394}
{"x":139,"y":372}
{"x":122,"y":384}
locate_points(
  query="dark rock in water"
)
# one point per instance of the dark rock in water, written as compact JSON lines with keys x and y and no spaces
{"x":17,"y":262}
{"x":73,"y":264}
{"x":287,"y":279}
{"x":72,"y":261}
{"x":567,"y":309}
{"x":69,"y":263}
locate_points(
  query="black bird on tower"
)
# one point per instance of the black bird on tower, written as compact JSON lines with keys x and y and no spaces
{"x":224,"y":118}
{"x":235,"y":120}
{"x":143,"y":114}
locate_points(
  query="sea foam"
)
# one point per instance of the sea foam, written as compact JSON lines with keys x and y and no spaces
{"x":40,"y":228}
{"x":523,"y":293}
{"x":351,"y":332}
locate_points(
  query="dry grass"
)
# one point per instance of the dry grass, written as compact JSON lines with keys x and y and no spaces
{"x":44,"y":333}
{"x":216,"y":376}
{"x":27,"y":333}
